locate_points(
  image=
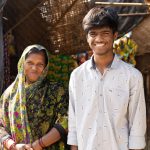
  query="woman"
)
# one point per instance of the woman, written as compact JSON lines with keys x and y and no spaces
{"x":32,"y":109}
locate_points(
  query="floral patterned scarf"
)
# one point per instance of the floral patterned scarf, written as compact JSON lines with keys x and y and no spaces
{"x":14,"y":115}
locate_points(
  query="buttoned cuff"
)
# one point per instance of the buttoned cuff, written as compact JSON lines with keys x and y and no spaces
{"x":137,"y":142}
{"x":72,"y":139}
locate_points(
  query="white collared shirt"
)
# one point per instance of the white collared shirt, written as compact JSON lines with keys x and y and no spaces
{"x":107,"y":112}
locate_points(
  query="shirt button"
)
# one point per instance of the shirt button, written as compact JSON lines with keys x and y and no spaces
{"x":101,"y":95}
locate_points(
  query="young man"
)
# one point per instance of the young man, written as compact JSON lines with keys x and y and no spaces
{"x":107,"y":105}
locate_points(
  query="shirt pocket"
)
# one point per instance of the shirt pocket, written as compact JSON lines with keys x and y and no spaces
{"x":117,"y":98}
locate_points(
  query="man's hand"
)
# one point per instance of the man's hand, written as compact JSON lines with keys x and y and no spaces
{"x":74,"y":147}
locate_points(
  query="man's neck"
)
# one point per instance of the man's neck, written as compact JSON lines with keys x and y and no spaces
{"x":103,"y":61}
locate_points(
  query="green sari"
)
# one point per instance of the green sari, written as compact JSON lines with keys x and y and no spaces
{"x":29,"y":112}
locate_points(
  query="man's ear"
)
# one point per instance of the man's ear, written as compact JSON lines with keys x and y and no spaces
{"x":115,"y":35}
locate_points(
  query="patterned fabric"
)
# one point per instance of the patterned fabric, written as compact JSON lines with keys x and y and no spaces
{"x":28,"y":113}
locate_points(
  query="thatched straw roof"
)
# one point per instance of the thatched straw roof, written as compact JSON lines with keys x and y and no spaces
{"x":25,"y":22}
{"x":56,"y":24}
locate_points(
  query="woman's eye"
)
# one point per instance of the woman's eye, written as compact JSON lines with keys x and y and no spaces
{"x":29,"y":63}
{"x":40,"y":65}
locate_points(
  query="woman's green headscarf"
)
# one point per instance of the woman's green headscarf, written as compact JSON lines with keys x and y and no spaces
{"x":15,"y":117}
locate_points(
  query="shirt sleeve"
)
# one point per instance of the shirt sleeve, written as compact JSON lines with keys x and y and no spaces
{"x":137,"y":113}
{"x":72,"y":134}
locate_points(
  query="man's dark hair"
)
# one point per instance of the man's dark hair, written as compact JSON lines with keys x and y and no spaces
{"x":101,"y":17}
{"x":35,"y":50}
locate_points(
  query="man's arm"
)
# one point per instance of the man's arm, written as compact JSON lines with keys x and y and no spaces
{"x":72,"y":133}
{"x":137,"y":113}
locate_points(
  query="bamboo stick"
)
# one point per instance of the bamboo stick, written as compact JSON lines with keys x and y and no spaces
{"x":133,"y":14}
{"x":122,"y":4}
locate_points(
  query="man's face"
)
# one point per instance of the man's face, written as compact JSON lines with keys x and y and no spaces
{"x":101,"y":40}
{"x":33,"y":67}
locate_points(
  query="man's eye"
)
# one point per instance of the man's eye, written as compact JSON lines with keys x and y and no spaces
{"x":92,"y":34}
{"x":106,"y":33}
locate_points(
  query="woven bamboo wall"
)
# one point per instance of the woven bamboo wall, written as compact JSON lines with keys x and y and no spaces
{"x":56,"y":24}
{"x":65,"y":31}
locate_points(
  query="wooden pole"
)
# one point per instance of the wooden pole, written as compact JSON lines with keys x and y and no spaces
{"x":122,"y":4}
{"x":134,"y":14}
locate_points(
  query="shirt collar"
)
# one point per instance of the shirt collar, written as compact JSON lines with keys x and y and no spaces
{"x":114,"y":63}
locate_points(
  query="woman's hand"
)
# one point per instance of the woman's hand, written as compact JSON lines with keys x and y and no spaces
{"x":18,"y":147}
{"x":10,"y":144}
{"x":23,"y":147}
{"x":36,"y":145}
{"x":28,"y":147}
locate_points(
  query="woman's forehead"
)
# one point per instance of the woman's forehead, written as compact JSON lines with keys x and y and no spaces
{"x":36,"y":56}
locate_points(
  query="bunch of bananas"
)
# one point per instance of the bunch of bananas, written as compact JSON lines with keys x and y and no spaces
{"x":126,"y":48}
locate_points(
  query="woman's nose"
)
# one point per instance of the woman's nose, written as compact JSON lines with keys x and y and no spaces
{"x":34,"y":67}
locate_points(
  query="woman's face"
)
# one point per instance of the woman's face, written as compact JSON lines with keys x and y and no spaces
{"x":34,"y":66}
